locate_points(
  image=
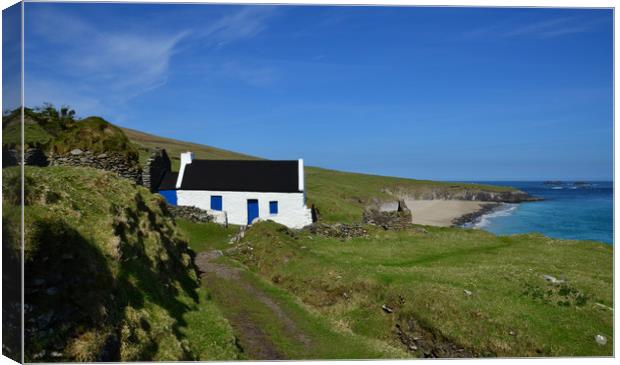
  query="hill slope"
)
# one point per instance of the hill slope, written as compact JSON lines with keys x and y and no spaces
{"x":340,"y":196}
{"x":147,"y":142}
{"x":108,"y":278}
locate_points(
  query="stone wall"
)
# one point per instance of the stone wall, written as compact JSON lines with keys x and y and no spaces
{"x":104,"y":161}
{"x":35,"y":157}
{"x":155,"y":168}
{"x":192,"y":213}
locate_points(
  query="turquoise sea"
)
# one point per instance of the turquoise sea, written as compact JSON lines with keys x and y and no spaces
{"x":570,"y":210}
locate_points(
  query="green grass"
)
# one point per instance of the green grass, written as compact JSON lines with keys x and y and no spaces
{"x":34,"y":135}
{"x":96,"y":135}
{"x":423,"y":275}
{"x":292,"y":330}
{"x":206,"y":236}
{"x":105,"y":258}
{"x":208,"y":332}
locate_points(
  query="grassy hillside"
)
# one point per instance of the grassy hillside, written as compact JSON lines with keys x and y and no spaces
{"x":148,"y":142}
{"x":107,"y":275}
{"x":96,"y":135}
{"x":340,"y":196}
{"x":458,"y":292}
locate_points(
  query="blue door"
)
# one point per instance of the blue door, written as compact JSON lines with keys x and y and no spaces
{"x":170,"y":196}
{"x":252,"y":210}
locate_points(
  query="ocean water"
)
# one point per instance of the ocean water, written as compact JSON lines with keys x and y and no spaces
{"x":568,"y":211}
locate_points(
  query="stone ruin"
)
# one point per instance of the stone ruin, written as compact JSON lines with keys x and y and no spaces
{"x":32,"y":157}
{"x":155,"y":168}
{"x":396,"y":219}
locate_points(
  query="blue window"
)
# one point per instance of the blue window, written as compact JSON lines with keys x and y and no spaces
{"x":216,"y":202}
{"x":273,"y":207}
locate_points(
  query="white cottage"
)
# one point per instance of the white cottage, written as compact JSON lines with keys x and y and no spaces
{"x":242,"y":191}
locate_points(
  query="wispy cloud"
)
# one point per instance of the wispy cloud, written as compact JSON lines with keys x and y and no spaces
{"x":245,"y":23}
{"x":543,"y":29}
{"x":546,"y":28}
{"x":111,"y":65}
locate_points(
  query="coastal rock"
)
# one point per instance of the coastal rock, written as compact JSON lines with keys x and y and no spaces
{"x":473,"y":217}
{"x":446,"y":193}
{"x":76,"y":152}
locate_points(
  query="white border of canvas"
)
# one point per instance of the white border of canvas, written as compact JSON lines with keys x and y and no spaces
{"x":471,"y":3}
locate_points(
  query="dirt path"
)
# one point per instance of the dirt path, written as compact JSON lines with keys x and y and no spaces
{"x":230,"y":286}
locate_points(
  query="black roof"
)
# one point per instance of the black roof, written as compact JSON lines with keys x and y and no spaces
{"x":168,"y":181}
{"x":241,"y":175}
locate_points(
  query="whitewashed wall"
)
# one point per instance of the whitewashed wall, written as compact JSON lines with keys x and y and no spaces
{"x":292,"y":211}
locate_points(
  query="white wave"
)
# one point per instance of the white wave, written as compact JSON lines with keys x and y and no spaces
{"x":503,"y":210}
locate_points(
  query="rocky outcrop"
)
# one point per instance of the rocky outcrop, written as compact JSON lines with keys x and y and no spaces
{"x":105,"y":161}
{"x":470,"y":218}
{"x":395,"y":220}
{"x":155,"y":168}
{"x":508,"y":196}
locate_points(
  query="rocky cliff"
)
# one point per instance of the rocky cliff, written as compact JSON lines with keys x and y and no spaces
{"x":460,"y":193}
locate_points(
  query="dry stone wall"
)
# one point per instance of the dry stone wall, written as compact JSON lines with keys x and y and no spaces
{"x":105,"y":161}
{"x":155,"y":168}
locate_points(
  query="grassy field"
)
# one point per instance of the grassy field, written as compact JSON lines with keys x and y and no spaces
{"x":268,"y":321}
{"x":339,"y":196}
{"x":483,"y":293}
{"x":206,"y":236}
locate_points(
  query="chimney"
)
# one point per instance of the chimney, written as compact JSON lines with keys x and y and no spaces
{"x":300,"y":172}
{"x":186,"y":159}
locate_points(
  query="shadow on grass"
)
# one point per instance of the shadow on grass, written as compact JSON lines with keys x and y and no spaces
{"x":70,"y":290}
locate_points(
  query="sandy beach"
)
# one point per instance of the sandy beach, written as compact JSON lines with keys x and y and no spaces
{"x":441,"y":212}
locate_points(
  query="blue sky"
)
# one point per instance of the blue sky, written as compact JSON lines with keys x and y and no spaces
{"x":438,"y":93}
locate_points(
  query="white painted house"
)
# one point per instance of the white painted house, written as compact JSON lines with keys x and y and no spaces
{"x":243,"y":191}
